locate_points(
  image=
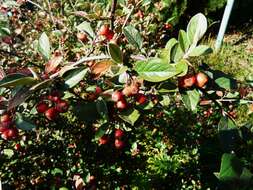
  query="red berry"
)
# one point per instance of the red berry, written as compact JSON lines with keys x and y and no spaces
{"x":98,"y":90}
{"x":5,"y":118}
{"x":7,"y":39}
{"x":201,"y":79}
{"x":103,"y":140}
{"x":3,"y":128}
{"x":104,"y":30}
{"x":5,"y":135}
{"x":141,"y":99}
{"x":17,"y":147}
{"x":110,"y":35}
{"x":51,"y":114}
{"x":167,"y":26}
{"x":121,"y":104}
{"x":118,"y":133}
{"x":116,"y":96}
{"x":6,"y":124}
{"x":55,"y":96}
{"x":119,"y":144}
{"x":10,"y":133}
{"x":187,"y":81}
{"x":41,"y":107}
{"x":62,"y":106}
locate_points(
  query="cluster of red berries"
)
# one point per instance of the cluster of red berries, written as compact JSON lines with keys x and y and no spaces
{"x":118,"y":139}
{"x":7,"y":129}
{"x":106,"y":32}
{"x":187,"y":81}
{"x":52,"y":105}
{"x":119,"y":97}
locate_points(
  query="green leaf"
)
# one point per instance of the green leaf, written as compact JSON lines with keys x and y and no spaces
{"x":246,"y":175}
{"x":183,"y":40}
{"x":167,"y":87}
{"x":23,"y":124}
{"x":191,"y":99}
{"x":228,"y":134}
{"x":44,"y":46}
{"x":13,"y":80}
{"x":165,"y":100}
{"x":200,"y":50}
{"x":56,"y":171}
{"x":115,"y":53}
{"x":130,"y":116}
{"x":86,"y":27}
{"x":5,"y":31}
{"x":133,"y":36}
{"x":73,"y":77}
{"x":8,"y":152}
{"x":225,"y":82}
{"x":101,"y":131}
{"x":231,"y":168}
{"x":41,"y":85}
{"x":182,"y":67}
{"x":63,"y":188}
{"x":155,"y":70}
{"x":176,"y":53}
{"x":196,"y":28}
{"x":166,"y":52}
{"x":86,"y":111}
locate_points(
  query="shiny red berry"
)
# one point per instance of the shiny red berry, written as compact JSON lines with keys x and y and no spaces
{"x":104,"y":30}
{"x":5,"y":118}
{"x":121,"y":104}
{"x":187,"y":81}
{"x":62,"y":106}
{"x":103,"y":140}
{"x":116,"y":96}
{"x":42,"y":107}
{"x":17,"y":147}
{"x":51,"y":114}
{"x":141,"y":99}
{"x":119,"y":144}
{"x":118,"y":133}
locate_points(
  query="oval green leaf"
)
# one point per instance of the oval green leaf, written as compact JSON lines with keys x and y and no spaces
{"x":16,"y":80}
{"x":44,"y":46}
{"x":115,"y":53}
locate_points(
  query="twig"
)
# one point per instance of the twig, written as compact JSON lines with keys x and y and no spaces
{"x":113,"y":8}
{"x":35,"y":4}
{"x":50,"y":12}
{"x":128,"y":16}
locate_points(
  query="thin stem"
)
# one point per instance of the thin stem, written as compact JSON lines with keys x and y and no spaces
{"x":35,"y":4}
{"x":50,"y":12}
{"x":128,"y":16}
{"x":113,"y":8}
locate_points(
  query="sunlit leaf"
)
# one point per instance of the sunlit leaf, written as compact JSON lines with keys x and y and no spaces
{"x":100,"y":68}
{"x":133,"y":36}
{"x":130,"y":116}
{"x":74,"y":76}
{"x":44,"y":46}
